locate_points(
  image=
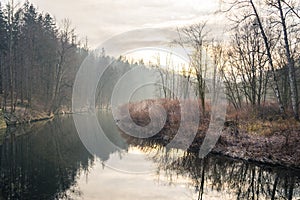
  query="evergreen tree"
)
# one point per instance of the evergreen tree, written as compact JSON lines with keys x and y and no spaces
{"x":3,"y":46}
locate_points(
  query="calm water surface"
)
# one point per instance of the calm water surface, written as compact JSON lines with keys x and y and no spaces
{"x":48,"y":160}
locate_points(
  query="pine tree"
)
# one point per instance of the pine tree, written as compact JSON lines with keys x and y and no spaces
{"x":3,"y":46}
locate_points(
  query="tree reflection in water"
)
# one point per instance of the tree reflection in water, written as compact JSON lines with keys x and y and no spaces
{"x":43,"y":162}
{"x":244,"y":180}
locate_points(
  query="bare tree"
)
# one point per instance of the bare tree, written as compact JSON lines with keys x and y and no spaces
{"x":289,"y":58}
{"x":248,"y":60}
{"x":269,"y":55}
{"x":11,"y":12}
{"x":194,"y":36}
{"x":251,"y":10}
{"x":67,"y":44}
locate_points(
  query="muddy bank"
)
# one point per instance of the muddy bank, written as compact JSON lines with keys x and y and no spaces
{"x":278,"y":147}
{"x":275,"y":149}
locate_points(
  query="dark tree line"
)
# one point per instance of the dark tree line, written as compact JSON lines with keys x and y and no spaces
{"x":38,"y":60}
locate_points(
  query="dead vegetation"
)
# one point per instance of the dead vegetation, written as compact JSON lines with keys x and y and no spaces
{"x":257,"y":134}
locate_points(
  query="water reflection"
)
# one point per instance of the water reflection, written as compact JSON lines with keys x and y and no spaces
{"x":215,"y":173}
{"x":47,"y":160}
{"x":99,"y":134}
{"x":43,"y":162}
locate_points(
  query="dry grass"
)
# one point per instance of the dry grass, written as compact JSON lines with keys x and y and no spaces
{"x":265,"y":120}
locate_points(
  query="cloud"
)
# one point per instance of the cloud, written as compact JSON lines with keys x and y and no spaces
{"x":100,"y":19}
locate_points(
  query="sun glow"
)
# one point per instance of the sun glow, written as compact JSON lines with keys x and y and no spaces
{"x":158,"y":58}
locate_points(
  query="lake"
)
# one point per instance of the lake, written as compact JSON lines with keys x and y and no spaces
{"x":49,"y":160}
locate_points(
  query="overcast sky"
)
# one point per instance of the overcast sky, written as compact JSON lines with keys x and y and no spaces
{"x":101,"y":19}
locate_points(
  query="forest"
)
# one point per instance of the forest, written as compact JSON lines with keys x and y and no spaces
{"x":38,"y":60}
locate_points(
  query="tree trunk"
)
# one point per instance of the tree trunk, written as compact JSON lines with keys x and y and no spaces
{"x":291,"y":67}
{"x":268,"y":49}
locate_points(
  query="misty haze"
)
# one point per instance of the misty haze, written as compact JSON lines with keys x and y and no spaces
{"x":165,"y":99}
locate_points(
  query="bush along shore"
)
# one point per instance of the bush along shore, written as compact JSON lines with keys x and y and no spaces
{"x":258,"y":135}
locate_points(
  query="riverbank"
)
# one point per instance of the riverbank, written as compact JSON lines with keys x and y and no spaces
{"x":270,"y":140}
{"x":23,"y":116}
